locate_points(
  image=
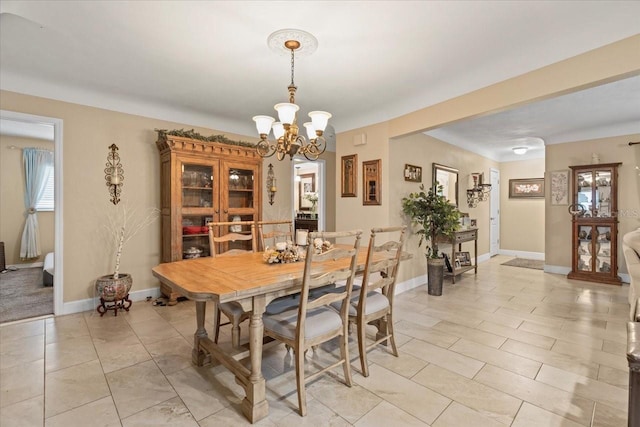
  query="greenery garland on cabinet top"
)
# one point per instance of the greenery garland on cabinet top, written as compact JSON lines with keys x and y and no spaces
{"x":162,"y":133}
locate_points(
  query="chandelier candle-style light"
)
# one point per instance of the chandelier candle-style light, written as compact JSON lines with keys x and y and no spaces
{"x":285,"y":131}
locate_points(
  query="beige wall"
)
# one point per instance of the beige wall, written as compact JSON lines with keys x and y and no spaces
{"x":521,"y":220}
{"x":12,"y":210}
{"x":558,"y":221}
{"x":88,"y":132}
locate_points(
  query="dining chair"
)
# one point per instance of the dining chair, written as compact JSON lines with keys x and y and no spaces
{"x":368,"y":305}
{"x":223,"y":236}
{"x":271,"y":232}
{"x":313,"y":322}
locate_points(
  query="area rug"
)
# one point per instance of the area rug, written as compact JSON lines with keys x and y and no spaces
{"x":525,"y":263}
{"x":22,"y":295}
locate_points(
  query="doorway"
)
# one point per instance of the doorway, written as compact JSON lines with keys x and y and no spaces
{"x":309,"y":183}
{"x":494,"y":218}
{"x":31,"y":120}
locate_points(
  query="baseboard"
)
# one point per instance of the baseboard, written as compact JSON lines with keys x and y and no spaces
{"x":91,"y":303}
{"x":410,"y":284}
{"x":31,"y":265}
{"x":522,"y":254}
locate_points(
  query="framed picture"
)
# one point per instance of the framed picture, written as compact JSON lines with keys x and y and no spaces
{"x":560,"y":187}
{"x":349,"y":175}
{"x":372,"y":181}
{"x":464,"y":258}
{"x":447,"y":263}
{"x":306,"y":190}
{"x":526,"y":188}
{"x":457,"y":263}
{"x":412,"y":173}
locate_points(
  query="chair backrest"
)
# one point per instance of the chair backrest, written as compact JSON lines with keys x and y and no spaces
{"x":223,"y":235}
{"x":383,"y":258}
{"x":314,"y":277}
{"x":271,"y":232}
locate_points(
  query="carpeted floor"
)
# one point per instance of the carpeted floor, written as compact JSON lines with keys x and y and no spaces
{"x":22,"y":295}
{"x":525,"y":263}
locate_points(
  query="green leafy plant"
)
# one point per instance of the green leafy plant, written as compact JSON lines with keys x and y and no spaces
{"x":433,"y":213}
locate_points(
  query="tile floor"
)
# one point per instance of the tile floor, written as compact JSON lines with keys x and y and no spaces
{"x":510,"y":347}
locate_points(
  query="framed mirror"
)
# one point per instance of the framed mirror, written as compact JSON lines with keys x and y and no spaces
{"x":448,"y":178}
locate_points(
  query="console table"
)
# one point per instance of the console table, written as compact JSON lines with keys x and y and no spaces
{"x":456,"y":241}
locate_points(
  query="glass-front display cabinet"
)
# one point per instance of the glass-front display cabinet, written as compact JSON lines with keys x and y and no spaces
{"x":201,"y":182}
{"x":595,"y":224}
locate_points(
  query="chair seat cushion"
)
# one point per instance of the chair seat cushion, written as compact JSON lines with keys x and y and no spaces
{"x":319,"y":321}
{"x":279,"y":305}
{"x":231,"y":309}
{"x":375,"y":302}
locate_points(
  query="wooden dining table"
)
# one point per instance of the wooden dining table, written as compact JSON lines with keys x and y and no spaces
{"x":248,"y":280}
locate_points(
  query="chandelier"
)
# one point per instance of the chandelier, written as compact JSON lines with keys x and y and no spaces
{"x":285,"y":131}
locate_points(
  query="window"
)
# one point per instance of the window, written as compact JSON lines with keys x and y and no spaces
{"x":46,"y":203}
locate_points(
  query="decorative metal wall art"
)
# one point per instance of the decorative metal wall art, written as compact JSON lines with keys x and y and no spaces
{"x":114,"y":174}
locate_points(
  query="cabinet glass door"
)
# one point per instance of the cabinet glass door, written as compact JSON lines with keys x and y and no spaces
{"x":602,"y":245}
{"x":240,"y":183}
{"x":585,"y":248}
{"x":197,"y":186}
{"x":195,"y":236}
{"x":585,"y":192}
{"x":602,"y":184}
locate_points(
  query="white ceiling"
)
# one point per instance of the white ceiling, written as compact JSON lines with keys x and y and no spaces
{"x":208,"y":64}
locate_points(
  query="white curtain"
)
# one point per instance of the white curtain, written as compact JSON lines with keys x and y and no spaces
{"x":37,"y":166}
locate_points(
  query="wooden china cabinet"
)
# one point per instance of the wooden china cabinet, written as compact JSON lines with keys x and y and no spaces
{"x":201,"y":182}
{"x":595,"y":223}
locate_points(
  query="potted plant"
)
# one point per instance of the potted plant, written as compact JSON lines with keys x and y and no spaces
{"x":120,"y":227}
{"x":435,"y":216}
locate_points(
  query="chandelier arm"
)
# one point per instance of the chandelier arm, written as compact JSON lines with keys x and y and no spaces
{"x":265,"y":149}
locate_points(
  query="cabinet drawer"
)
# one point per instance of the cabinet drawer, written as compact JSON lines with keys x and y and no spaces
{"x":465,"y":236}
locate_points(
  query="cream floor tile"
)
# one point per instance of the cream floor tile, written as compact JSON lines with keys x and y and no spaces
{"x":470,"y":334}
{"x":26,"y":413}
{"x":65,"y":327}
{"x":202,"y":391}
{"x":614,"y":376}
{"x":405,"y":364}
{"x":509,"y":361}
{"x":170,"y":413}
{"x":531,"y":317}
{"x":73,"y":387}
{"x":150,"y":331}
{"x":552,"y":399}
{"x":425,"y":333}
{"x":450,"y":360}
{"x":21,"y":330}
{"x":532,"y":416}
{"x":351,"y":403}
{"x":459,"y":415}
{"x":19,"y":351}
{"x":385,"y":415}
{"x":589,"y":388}
{"x":21,"y":382}
{"x":415,"y":317}
{"x":552,"y":358}
{"x":99,"y":413}
{"x":618,"y":361}
{"x":559,"y":334}
{"x":119,"y":355}
{"x":413,"y":398}
{"x":114,"y":329}
{"x":171,"y":355}
{"x":606,"y":416}
{"x":317,"y":415}
{"x":233,"y":418}
{"x":517,"y":334}
{"x":141,"y":311}
{"x":69,"y":352}
{"x":485,"y":401}
{"x":453,"y":317}
{"x":138,"y":387}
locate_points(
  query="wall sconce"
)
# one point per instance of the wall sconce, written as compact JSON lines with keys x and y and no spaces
{"x":271,"y":184}
{"x":114,"y":174}
{"x":479,"y":191}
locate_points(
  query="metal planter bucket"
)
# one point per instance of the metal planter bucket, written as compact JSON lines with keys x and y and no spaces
{"x":435,"y":276}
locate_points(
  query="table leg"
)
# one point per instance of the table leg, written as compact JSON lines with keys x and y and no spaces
{"x":254,"y":405}
{"x":198,"y":356}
